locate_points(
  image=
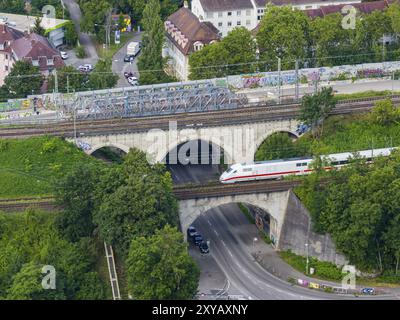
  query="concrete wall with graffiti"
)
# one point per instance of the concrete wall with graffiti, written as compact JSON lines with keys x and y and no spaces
{"x":309,"y":75}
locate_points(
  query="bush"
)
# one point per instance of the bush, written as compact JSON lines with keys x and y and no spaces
{"x":80,"y":52}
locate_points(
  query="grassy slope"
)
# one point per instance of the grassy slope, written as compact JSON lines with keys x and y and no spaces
{"x":28,"y":167}
{"x":351,"y":133}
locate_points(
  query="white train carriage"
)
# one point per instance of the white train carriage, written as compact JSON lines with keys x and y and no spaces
{"x":296,"y":166}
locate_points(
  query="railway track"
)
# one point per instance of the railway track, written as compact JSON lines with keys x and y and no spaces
{"x":249,"y":114}
{"x":184,"y":192}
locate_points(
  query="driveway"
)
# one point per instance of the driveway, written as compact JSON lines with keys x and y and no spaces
{"x":119,"y":66}
{"x":84,"y":39}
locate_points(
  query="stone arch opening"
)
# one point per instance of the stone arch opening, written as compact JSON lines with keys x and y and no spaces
{"x":241,"y":218}
{"x":277,"y":145}
{"x":195,"y":161}
{"x":109,"y":153}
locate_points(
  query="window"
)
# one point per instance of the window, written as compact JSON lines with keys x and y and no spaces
{"x":238,"y":13}
{"x":248,"y":12}
{"x":229,"y":24}
{"x":6,"y":68}
{"x":219,"y":24}
{"x":248,"y":22}
{"x":198,"y":46}
{"x":239,"y":23}
{"x":229,"y":13}
{"x":247,"y":170}
{"x":259,"y":18}
{"x":210,"y":15}
{"x":219,"y":14}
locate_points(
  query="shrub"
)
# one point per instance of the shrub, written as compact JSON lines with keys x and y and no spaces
{"x":80,"y":52}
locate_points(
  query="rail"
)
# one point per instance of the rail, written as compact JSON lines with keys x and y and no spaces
{"x":250,"y":114}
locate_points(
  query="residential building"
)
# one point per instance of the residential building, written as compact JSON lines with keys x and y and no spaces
{"x":228,"y":14}
{"x":185,"y":34}
{"x":16,"y":45}
{"x":54,"y":28}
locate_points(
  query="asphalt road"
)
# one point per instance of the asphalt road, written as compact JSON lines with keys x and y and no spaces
{"x":182,"y":174}
{"x":84,"y":39}
{"x":231,"y":244}
{"x":119,"y":66}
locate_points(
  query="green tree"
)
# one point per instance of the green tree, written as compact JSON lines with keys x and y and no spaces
{"x":71,"y":36}
{"x":384,"y":113}
{"x":283,"y":33}
{"x":27,"y":285}
{"x":235,"y":54}
{"x":135,"y":199}
{"x":102,"y":76}
{"x":37,"y":28}
{"x":23,"y":79}
{"x":68,"y":80}
{"x":159,"y":267}
{"x":315,"y":108}
{"x":153,"y":40}
{"x":76,"y":194}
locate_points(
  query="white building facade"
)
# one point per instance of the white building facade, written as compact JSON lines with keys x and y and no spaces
{"x":226,"y":15}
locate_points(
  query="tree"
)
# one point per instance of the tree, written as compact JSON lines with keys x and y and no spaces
{"x":23,"y":79}
{"x":153,"y":39}
{"x":159,"y":267}
{"x":70,"y":34}
{"x":37,"y":28}
{"x":27,"y":285}
{"x":75,"y":193}
{"x":283,"y":33}
{"x":68,"y":80}
{"x":315,"y":108}
{"x":134,"y":199}
{"x":102,"y":76}
{"x":121,"y":22}
{"x":235,"y":54}
{"x":94,"y":15}
{"x":384,"y":113}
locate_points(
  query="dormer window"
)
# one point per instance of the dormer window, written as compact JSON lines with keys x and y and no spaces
{"x":198,"y":45}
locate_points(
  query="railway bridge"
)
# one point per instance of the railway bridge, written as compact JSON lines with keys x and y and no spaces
{"x":289,"y":221}
{"x":236,"y":142}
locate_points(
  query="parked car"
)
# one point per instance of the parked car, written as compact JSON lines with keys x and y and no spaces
{"x":129,"y":58}
{"x":128,"y":74}
{"x":367,"y":291}
{"x":85,"y":67}
{"x":64,"y":55}
{"x":197,"y":238}
{"x":203,"y":246}
{"x":133,"y":81}
{"x":191,"y":231}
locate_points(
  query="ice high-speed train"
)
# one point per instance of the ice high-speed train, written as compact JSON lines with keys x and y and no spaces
{"x":296,"y":166}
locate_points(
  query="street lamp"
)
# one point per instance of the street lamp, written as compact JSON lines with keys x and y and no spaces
{"x":254,"y":241}
{"x":307,"y":261}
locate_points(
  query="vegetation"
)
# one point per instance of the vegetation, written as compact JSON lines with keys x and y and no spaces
{"x":135,"y":199}
{"x":315,"y":108}
{"x":23,"y":79}
{"x":33,"y":7}
{"x":30,"y":241}
{"x":323,"y":270}
{"x":102,"y":77}
{"x":37,"y":28}
{"x":80,"y":52}
{"x":28,"y":167}
{"x":164,"y":257}
{"x":213,"y":60}
{"x":71,"y":36}
{"x":341,"y":133}
{"x":359,"y":209}
{"x":150,"y":61}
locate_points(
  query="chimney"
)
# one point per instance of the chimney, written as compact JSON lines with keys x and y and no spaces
{"x":185,"y":4}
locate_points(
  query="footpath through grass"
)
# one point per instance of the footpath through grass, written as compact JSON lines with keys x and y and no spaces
{"x":29,"y":167}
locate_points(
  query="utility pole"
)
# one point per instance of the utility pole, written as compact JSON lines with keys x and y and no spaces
{"x":297,"y":80}
{"x":279,"y":80}
{"x":307,"y":260}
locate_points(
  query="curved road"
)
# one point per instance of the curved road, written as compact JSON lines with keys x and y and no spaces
{"x":231,"y":246}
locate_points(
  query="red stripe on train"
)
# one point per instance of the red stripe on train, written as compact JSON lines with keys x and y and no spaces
{"x":273,"y":174}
